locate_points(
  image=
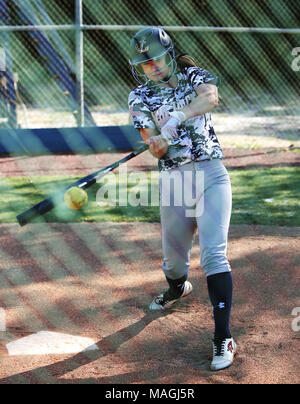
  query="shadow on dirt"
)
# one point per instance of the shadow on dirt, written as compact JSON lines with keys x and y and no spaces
{"x":107,"y":346}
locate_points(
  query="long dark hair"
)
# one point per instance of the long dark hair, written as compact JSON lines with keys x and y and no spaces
{"x":185,"y":61}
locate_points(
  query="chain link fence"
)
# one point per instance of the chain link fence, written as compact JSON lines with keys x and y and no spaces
{"x":252,"y":47}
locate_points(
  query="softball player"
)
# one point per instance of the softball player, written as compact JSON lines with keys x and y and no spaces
{"x":171,"y":109}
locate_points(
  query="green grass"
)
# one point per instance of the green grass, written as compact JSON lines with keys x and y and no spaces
{"x":268,"y":196}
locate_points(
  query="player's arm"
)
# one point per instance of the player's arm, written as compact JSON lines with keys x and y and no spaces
{"x":157,"y":145}
{"x":206,"y":100}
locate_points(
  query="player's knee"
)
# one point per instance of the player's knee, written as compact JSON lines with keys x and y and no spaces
{"x":214,"y":261}
{"x":175,"y":270}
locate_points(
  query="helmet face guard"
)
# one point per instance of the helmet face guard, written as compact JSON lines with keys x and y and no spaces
{"x":142,"y":78}
{"x":151,"y":44}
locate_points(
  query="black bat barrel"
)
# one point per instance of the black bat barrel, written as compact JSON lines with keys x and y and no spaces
{"x":37,"y":210}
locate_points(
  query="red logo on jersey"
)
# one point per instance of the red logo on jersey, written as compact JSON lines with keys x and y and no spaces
{"x":230,"y":347}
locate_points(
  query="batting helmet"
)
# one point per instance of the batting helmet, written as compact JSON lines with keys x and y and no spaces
{"x":149,"y":44}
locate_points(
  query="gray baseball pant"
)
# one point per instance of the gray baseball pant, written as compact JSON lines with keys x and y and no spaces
{"x":208,"y":208}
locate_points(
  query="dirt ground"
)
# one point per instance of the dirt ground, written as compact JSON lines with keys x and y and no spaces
{"x":84,"y":164}
{"x":96,"y":280}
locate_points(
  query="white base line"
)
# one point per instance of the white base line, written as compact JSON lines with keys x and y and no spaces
{"x":46,"y":343}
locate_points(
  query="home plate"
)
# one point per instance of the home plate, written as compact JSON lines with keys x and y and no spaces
{"x":46,"y":342}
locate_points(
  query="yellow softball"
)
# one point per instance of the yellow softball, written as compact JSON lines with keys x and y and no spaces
{"x":75,"y":198}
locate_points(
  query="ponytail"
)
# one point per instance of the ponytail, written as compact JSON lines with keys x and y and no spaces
{"x":185,"y":61}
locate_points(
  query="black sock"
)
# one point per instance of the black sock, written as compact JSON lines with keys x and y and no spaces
{"x":220,"y":292}
{"x":176,"y":287}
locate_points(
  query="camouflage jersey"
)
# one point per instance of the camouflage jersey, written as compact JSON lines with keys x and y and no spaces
{"x":197,"y":139}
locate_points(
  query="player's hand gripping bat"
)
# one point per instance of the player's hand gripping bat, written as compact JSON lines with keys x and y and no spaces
{"x":49,"y":203}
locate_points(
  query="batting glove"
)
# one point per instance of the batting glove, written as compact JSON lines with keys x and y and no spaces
{"x":169,"y":130}
{"x":162,"y":115}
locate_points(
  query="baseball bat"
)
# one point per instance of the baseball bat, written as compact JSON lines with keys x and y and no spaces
{"x":53,"y":200}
